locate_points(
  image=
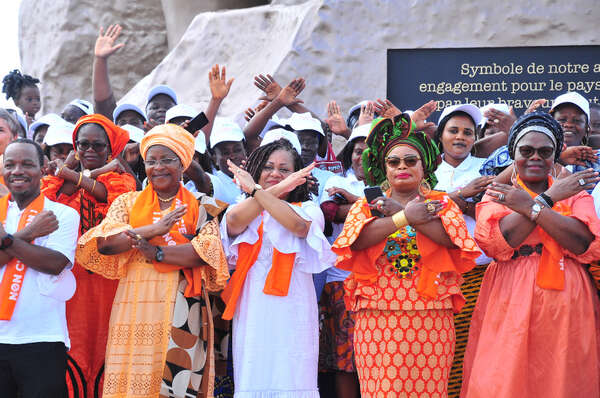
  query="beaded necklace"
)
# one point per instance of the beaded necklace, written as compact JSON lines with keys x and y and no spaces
{"x":402,"y":252}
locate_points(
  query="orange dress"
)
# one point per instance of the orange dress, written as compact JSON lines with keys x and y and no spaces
{"x":524,"y":340}
{"x":403,"y":340}
{"x":88,"y":312}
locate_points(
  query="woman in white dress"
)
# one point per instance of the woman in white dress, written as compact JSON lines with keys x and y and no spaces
{"x":275,"y":241}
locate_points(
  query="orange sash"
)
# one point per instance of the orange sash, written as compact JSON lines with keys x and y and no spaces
{"x":278,"y":278}
{"x":146,"y":210}
{"x":14,"y":274}
{"x":551,"y":272}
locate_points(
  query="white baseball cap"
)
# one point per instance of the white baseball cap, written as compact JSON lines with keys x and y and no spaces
{"x":135,"y":133}
{"x":278,"y":134}
{"x":45,"y":120}
{"x":304,"y":121}
{"x":574,"y":98}
{"x":357,"y":106}
{"x":59,"y":133}
{"x":225,"y":130}
{"x":127,"y":107}
{"x":180,"y":110}
{"x":274,"y":121}
{"x":84,"y":105}
{"x":200,"y":143}
{"x":469,"y":109}
{"x":501,"y":107}
{"x":360,"y":131}
{"x":162,"y":89}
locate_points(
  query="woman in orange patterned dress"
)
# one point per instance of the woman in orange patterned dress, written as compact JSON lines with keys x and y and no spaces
{"x":89,"y":185}
{"x":406,"y":266}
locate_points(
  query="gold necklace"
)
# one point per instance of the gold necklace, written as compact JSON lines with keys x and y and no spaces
{"x":167,"y":199}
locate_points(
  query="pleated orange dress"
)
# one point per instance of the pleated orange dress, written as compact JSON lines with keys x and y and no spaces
{"x":404,"y":292}
{"x":525,"y":340}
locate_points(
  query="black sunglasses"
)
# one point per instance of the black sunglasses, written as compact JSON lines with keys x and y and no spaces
{"x":96,"y":146}
{"x":527,"y":151}
{"x":409,"y":161}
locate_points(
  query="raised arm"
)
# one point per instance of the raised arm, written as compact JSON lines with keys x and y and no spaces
{"x":104,"y":100}
{"x":219,"y":89}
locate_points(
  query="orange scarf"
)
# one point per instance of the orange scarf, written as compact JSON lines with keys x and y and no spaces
{"x":551,"y":272}
{"x":146,"y":210}
{"x":14,"y":274}
{"x":278,"y":278}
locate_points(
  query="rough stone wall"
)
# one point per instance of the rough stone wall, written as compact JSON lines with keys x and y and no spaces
{"x":56,"y":42}
{"x":338,"y":45}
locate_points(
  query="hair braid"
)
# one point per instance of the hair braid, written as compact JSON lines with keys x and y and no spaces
{"x":13,"y":83}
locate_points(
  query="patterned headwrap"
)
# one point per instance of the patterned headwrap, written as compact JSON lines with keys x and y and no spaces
{"x":172,"y":136}
{"x":385,"y":134}
{"x":540,"y":122}
{"x":117,"y":136}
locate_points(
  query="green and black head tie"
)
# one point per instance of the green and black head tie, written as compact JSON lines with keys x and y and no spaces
{"x":387,"y":133}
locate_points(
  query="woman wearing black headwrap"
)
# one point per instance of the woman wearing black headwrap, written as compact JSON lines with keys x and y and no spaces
{"x":535,"y":329}
{"x":406,"y":266}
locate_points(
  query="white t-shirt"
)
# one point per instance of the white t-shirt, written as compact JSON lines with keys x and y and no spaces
{"x":322,"y":176}
{"x":451,"y":179}
{"x":39,"y":314}
{"x":224,"y":188}
{"x":351,"y":184}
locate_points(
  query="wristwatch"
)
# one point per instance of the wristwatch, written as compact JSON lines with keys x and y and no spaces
{"x":535,"y":211}
{"x":6,"y":242}
{"x":160,"y":255}
{"x":256,"y":188}
{"x":87,"y":173}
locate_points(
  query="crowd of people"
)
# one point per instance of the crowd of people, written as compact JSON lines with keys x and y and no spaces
{"x":142,"y":258}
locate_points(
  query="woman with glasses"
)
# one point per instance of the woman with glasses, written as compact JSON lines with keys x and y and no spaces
{"x":165,"y":254}
{"x":89,"y":180}
{"x":274,"y":238}
{"x":406,"y":262}
{"x":535,"y":331}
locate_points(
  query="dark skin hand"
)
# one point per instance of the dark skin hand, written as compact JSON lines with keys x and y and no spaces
{"x":196,"y":174}
{"x":473,"y":188}
{"x":343,"y":209}
{"x":417,"y":215}
{"x":43,"y":224}
{"x":183,"y":254}
{"x":572,"y":234}
{"x":484,"y":147}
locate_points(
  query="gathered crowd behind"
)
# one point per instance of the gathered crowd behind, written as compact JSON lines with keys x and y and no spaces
{"x":165,"y":252}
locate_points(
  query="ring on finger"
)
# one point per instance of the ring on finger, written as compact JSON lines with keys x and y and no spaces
{"x":496,"y":120}
{"x":379,"y":203}
{"x":581,"y":181}
{"x":430,"y":207}
{"x":501,"y":197}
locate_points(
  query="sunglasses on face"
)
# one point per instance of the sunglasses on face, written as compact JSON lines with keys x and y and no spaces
{"x":96,"y":146}
{"x":544,"y":152}
{"x":165,"y":162}
{"x":394,"y":161}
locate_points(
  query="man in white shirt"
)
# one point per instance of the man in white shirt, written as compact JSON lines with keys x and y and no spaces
{"x":35,"y":279}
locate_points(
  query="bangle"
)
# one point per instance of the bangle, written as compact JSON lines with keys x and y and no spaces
{"x":400,"y":219}
{"x":80,"y":178}
{"x":93,"y":186}
{"x":57,"y":172}
{"x":459,"y":194}
{"x":547,"y":199}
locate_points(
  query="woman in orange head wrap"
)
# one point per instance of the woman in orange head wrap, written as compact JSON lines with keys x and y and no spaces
{"x":159,"y":246}
{"x":88,"y":181}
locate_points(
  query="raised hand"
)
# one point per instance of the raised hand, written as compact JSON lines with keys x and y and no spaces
{"x":386,"y":109}
{"x":105,"y":43}
{"x":420,"y":116}
{"x":534,"y":105}
{"x":367,"y":113}
{"x":267,"y":84}
{"x":501,"y":120}
{"x":295,"y":179}
{"x":241,"y":177}
{"x":249,"y":114}
{"x":573,"y":184}
{"x":578,"y":155}
{"x":165,"y":224}
{"x":217,"y":80}
{"x":288,"y":95}
{"x":386,"y":206}
{"x":335,"y":120}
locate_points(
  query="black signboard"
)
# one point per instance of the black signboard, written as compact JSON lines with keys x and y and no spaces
{"x":512,"y":75}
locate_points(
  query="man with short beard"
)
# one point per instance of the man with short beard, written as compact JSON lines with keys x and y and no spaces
{"x":37,"y":245}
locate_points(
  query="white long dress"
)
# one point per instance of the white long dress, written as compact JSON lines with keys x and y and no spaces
{"x":276,"y":339}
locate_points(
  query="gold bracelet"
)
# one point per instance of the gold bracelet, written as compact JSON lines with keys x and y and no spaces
{"x":399,"y":219}
{"x":80,"y":178}
{"x":93,"y":186}
{"x":59,"y":170}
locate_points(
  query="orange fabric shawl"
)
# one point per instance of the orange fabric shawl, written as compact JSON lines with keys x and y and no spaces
{"x":117,"y":136}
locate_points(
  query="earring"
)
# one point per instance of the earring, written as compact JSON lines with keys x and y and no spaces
{"x":424,"y":188}
{"x":513,"y":176}
{"x":76,"y":156}
{"x":385,"y":185}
